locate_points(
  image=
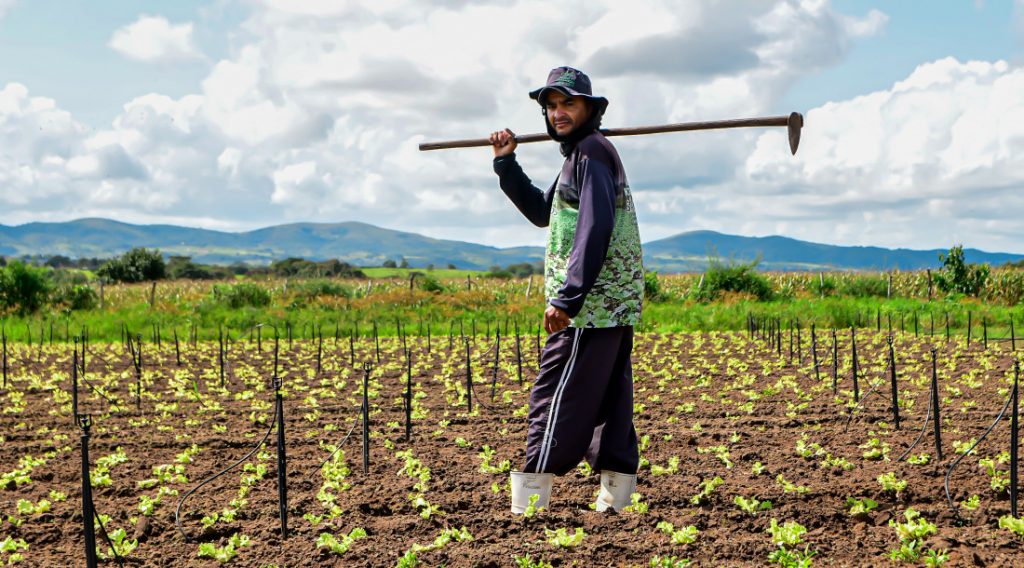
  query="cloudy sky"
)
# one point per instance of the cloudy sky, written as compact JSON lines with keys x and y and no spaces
{"x":239,"y":114}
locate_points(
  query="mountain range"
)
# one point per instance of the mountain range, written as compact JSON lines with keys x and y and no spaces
{"x":367,"y":245}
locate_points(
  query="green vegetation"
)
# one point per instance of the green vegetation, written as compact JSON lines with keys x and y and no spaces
{"x":136,"y":265}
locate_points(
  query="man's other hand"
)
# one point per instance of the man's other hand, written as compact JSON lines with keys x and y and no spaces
{"x":555,"y":320}
{"x":504,"y":143}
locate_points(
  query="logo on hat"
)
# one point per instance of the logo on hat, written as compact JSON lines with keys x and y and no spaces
{"x":567,"y":78}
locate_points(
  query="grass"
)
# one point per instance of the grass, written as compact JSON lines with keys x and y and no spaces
{"x":439,"y":273}
{"x":345,"y":306}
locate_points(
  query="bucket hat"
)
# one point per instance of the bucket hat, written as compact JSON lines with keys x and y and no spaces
{"x":572,"y":82}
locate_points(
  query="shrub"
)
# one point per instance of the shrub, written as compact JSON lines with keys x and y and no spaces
{"x":316,"y":288}
{"x":733,"y":277}
{"x":23,"y":287}
{"x":428,"y":283}
{"x":136,"y":265}
{"x":77,"y":297}
{"x":865,"y":286}
{"x":240,"y":295}
{"x":958,"y":277}
{"x":652,"y":288}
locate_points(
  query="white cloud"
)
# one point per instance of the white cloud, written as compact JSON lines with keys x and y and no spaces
{"x":153,"y":38}
{"x":936,"y":155}
{"x":6,"y":5}
{"x":316,"y":114}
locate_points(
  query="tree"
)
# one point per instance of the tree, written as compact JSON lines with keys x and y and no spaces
{"x":390,"y":264}
{"x":404,"y":263}
{"x":23,"y":287}
{"x":136,"y":265}
{"x":957,"y":276}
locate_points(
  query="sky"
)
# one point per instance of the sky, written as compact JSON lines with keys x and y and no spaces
{"x":241,"y":114}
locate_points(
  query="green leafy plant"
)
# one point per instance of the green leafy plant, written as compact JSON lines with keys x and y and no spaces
{"x":224,"y":553}
{"x":911,"y":533}
{"x":891,"y":483}
{"x":669,"y":562}
{"x":340,"y":546}
{"x":531,"y":508}
{"x":637,"y":506}
{"x":673,"y":467}
{"x":1012,"y":524}
{"x":860,"y":507}
{"x":786,"y":538}
{"x":528,"y":562}
{"x":707,"y":488}
{"x":684,"y":535}
{"x":789,"y":486}
{"x":562,"y":538}
{"x":751,"y":506}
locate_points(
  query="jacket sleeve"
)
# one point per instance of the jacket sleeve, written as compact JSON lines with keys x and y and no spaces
{"x":593,"y":235}
{"x":533,"y":203}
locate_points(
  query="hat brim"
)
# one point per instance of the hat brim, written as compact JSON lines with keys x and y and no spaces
{"x":538,"y":95}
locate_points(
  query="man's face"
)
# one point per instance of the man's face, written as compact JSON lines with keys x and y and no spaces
{"x":566,"y":113}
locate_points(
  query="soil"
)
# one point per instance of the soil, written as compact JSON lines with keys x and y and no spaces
{"x":691,"y":391}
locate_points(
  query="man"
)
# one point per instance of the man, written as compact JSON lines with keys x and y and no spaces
{"x":582,"y":403}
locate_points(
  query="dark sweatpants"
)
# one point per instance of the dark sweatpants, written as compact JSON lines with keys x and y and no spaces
{"x":582,"y":403}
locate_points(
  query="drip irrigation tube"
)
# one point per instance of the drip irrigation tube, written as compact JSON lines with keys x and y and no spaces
{"x":945,"y":483}
{"x":103,"y":529}
{"x":336,"y":449}
{"x":924,"y":428}
{"x":177,"y":510}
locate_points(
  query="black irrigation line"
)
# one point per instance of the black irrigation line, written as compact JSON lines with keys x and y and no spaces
{"x":355,"y":421}
{"x":177,"y":510}
{"x":924,"y":427}
{"x":945,"y":484}
{"x":106,"y":537}
{"x":860,"y":404}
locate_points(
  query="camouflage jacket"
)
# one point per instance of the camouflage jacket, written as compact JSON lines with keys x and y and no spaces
{"x":593,"y":267}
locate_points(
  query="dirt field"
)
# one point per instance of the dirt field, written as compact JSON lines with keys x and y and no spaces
{"x":715,"y":405}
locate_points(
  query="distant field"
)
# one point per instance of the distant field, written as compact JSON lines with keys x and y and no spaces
{"x":378,"y":272}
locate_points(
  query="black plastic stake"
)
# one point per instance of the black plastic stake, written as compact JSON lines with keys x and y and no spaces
{"x":352,"y":348}
{"x":1013,"y":339}
{"x":259,"y":338}
{"x":74,"y":381}
{"x":519,"y":355}
{"x":935,"y":405}
{"x":969,"y":329}
{"x":799,"y":346}
{"x":84,"y":423}
{"x":984,"y":333}
{"x":138,"y":372}
{"x":282,"y":461}
{"x":895,"y":394}
{"x":376,"y":341}
{"x":497,"y":356}
{"x":319,"y":349}
{"x":835,"y":361}
{"x":177,"y":348}
{"x":947,"y":327}
{"x":469,"y":380}
{"x":366,"y":418}
{"x":853,"y":366}
{"x":814,"y":352}
{"x":3,"y":335}
{"x":1014,"y":441}
{"x":408,"y":396}
{"x":220,"y":354}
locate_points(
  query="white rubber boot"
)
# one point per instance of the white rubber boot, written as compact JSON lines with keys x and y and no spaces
{"x":616,"y":489}
{"x":525,"y":485}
